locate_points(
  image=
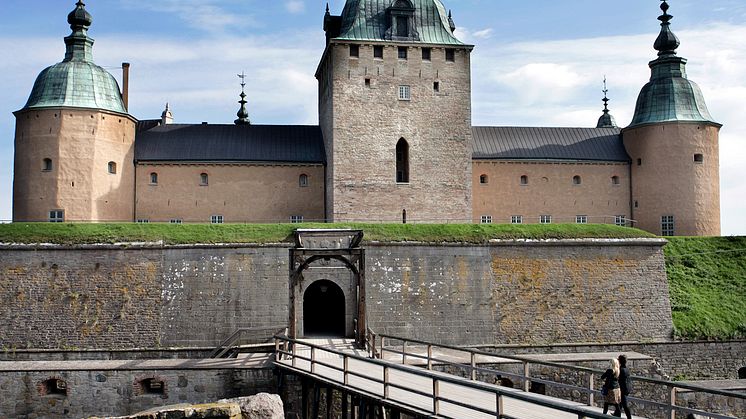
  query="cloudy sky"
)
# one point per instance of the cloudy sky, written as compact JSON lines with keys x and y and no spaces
{"x":537,"y":63}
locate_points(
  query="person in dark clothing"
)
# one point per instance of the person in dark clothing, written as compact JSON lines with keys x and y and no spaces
{"x":625,"y":386}
{"x":612,"y":393}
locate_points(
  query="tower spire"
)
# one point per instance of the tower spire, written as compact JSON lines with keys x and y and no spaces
{"x":243,"y":114}
{"x":666,"y":43}
{"x":79,"y":45}
{"x":606,"y":120}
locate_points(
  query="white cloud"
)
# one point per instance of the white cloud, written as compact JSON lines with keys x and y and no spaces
{"x":483,"y":34}
{"x":200,"y":14}
{"x":295,"y":6}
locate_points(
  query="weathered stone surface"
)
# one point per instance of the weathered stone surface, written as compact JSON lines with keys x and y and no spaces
{"x":260,"y":406}
{"x":218,"y":410}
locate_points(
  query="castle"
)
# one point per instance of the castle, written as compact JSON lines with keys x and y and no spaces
{"x":394,"y":143}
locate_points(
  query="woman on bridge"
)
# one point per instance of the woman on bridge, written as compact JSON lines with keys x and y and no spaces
{"x":612,"y":393}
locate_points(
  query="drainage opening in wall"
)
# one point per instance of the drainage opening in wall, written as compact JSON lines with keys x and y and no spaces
{"x":324,"y":310}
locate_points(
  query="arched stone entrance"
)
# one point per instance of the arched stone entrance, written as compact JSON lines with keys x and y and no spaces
{"x":324,"y":310}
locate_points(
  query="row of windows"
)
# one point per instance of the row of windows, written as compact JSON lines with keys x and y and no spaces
{"x":47,"y":166}
{"x":576,"y":180}
{"x":204,"y":179}
{"x":402,"y":53}
{"x":620,"y":220}
{"x":405,"y":91}
{"x":217,"y":219}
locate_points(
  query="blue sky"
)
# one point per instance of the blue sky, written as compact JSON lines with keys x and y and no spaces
{"x":537,"y":63}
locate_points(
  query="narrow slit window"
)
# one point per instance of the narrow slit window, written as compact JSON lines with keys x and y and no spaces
{"x":112,"y":167}
{"x":402,"y":161}
{"x":47,"y":165}
{"x":436,"y":86}
{"x":154,"y":178}
{"x":303,"y":181}
{"x":204,"y":179}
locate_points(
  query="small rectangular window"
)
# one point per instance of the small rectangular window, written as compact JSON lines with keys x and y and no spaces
{"x":216,"y":219}
{"x":436,"y":86}
{"x":581,"y":219}
{"x":176,"y":221}
{"x":639,"y":162}
{"x":402,"y":53}
{"x":486,"y":219}
{"x":620,"y":220}
{"x":667,"y":225}
{"x":516,"y":219}
{"x":699,"y":158}
{"x":143,"y":221}
{"x":545,"y":219}
{"x":450,"y":55}
{"x":426,"y":53}
{"x":378,"y":51}
{"x":57,"y":216}
{"x":296,"y":219}
{"x":367,"y":82}
{"x":404,"y":93}
{"x":354,"y":50}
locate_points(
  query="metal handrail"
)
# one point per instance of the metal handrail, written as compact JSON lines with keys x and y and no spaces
{"x":527,"y":360}
{"x":228,"y":343}
{"x":437,"y":378}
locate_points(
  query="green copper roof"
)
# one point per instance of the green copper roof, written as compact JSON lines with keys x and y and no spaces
{"x":369,"y":20}
{"x":76,"y":81}
{"x":669,"y":96}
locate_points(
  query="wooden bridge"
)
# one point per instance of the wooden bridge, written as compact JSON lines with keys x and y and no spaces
{"x":402,"y":380}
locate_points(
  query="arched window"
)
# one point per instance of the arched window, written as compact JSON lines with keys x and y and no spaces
{"x":576,"y":180}
{"x":154,"y":178}
{"x":112,"y":167}
{"x":483,"y":179}
{"x":615,"y":180}
{"x":203,"y":179}
{"x":303,"y":180}
{"x":524,"y":180}
{"x":402,"y":161}
{"x":47,"y":165}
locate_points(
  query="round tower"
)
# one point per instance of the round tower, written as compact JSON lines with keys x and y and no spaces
{"x":673,"y":145}
{"x":74,"y":141}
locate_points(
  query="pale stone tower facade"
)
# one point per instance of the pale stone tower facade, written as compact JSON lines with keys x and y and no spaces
{"x":395,"y":112}
{"x":673,"y":144}
{"x":74,"y":141}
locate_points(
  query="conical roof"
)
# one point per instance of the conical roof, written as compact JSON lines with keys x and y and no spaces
{"x":77,"y":81}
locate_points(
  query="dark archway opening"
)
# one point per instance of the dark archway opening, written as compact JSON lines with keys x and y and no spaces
{"x":324,"y":310}
{"x":742,"y":374}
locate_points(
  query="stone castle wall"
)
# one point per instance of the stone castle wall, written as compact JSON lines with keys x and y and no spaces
{"x":110,"y":297}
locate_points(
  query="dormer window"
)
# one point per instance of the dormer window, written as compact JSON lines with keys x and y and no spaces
{"x":401,"y":24}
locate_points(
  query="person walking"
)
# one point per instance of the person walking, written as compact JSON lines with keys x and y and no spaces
{"x":610,"y":390}
{"x":625,"y":387}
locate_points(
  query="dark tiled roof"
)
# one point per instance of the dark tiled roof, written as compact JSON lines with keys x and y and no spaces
{"x":368,"y":20}
{"x":215,"y":143}
{"x":533,"y":143}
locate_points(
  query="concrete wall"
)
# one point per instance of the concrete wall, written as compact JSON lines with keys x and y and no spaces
{"x":99,"y":392}
{"x":550,"y":191}
{"x":363,"y":153}
{"x":238,"y":192}
{"x":80,"y":143}
{"x":669,"y":182}
{"x":151,"y":297}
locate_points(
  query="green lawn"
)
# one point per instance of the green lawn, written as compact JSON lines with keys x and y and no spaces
{"x":70,"y":233}
{"x":707,"y":278}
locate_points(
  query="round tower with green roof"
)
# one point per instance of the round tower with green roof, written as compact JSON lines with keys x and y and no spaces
{"x":673,"y":144}
{"x":74,"y":142}
{"x":395,"y":112}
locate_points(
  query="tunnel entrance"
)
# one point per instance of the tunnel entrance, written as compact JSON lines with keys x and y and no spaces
{"x":324,"y":310}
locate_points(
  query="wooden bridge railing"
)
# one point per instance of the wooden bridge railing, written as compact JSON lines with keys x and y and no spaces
{"x":671,"y":388}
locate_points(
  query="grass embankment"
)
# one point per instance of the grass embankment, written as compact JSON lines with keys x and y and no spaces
{"x":707,"y":281}
{"x":281,"y":233}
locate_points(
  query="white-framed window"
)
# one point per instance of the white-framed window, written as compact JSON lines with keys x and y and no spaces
{"x":216,"y":219}
{"x":176,"y":221}
{"x":545,"y":219}
{"x":57,"y":216}
{"x":620,"y":220}
{"x":303,"y":180}
{"x":516,"y":219}
{"x":486,"y":219}
{"x":581,"y":219}
{"x":405,"y":93}
{"x":142,"y":221}
{"x":296,"y":219}
{"x":667,"y":225}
